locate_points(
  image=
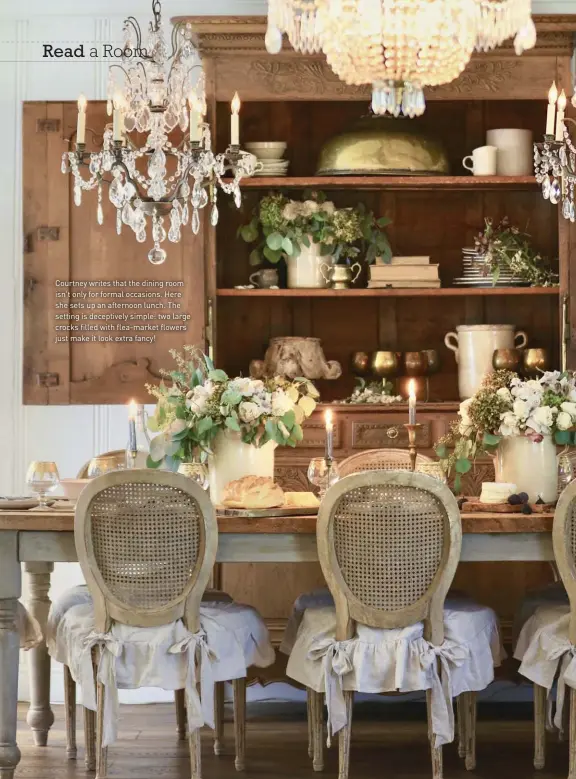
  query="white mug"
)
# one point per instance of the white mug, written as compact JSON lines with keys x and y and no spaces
{"x":482,"y":161}
{"x":515,"y":151}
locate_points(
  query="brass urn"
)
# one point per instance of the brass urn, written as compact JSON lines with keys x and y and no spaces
{"x":383,"y":146}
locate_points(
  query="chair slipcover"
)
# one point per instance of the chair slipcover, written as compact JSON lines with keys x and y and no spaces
{"x":28,"y":628}
{"x":396,"y":660}
{"x":546,"y":654}
{"x":231,"y":638}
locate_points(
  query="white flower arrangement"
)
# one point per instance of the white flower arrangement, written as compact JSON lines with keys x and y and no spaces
{"x":375,"y":393}
{"x":505,"y":406}
{"x":202,"y":401}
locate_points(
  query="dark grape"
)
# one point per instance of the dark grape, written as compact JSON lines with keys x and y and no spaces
{"x":514,"y":500}
{"x":523,"y":497}
{"x":526,"y":509}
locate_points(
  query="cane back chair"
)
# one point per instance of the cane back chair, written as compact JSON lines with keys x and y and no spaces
{"x":146,"y":542}
{"x":389,"y":545}
{"x":380,"y":460}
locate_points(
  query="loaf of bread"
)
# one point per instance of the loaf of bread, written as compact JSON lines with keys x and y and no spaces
{"x":496,"y":492}
{"x":302,"y":500}
{"x":253,"y":492}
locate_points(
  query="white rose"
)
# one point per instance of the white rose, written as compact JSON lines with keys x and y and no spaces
{"x":310,"y":207}
{"x":246,"y":386}
{"x":197,"y":400}
{"x":505,"y":394}
{"x":572,"y":395}
{"x":541,"y":419}
{"x":249,"y":411}
{"x":281,"y":403}
{"x":569,"y":408}
{"x":465,"y":421}
{"x":509,"y":424}
{"x":291,"y":211}
{"x":328,"y":207}
{"x":521,"y":409}
{"x":564,"y":421}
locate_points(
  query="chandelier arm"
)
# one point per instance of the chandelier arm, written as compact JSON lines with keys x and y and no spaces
{"x":131,"y":20}
{"x":175,"y":30}
{"x":157,"y":14}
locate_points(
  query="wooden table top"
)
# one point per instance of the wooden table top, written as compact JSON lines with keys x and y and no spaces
{"x":63,"y":521}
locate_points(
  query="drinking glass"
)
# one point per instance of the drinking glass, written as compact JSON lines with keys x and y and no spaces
{"x":98,"y":466}
{"x":323,"y":474}
{"x":42,"y":477}
{"x":432,"y":469}
{"x":196,"y":471}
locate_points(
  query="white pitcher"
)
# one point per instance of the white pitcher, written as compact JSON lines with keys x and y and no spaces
{"x":474,"y":347}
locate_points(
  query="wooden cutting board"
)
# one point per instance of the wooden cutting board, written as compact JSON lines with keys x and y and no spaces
{"x":473,"y":504}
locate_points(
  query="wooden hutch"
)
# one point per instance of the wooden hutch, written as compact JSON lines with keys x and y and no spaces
{"x":295,"y":98}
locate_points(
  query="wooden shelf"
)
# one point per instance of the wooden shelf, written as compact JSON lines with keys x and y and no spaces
{"x":433,"y":183}
{"x":393,"y":293}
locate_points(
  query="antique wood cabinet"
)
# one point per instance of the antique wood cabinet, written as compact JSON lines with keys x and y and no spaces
{"x":295,"y":98}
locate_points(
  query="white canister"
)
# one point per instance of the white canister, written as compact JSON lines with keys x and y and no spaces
{"x":474,"y":347}
{"x":305,"y":268}
{"x":515,"y":151}
{"x":232,"y":459}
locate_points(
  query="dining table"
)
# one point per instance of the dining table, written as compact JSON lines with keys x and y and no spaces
{"x":35,"y":540}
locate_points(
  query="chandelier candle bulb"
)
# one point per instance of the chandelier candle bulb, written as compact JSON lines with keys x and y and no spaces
{"x":117,"y":119}
{"x":235,"y":120}
{"x":560,"y":116}
{"x":329,"y":435}
{"x":551,"y":113}
{"x":195,"y":119}
{"x":412,"y":402}
{"x":81,"y":125}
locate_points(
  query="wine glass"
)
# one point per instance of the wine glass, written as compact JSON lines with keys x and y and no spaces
{"x":323,"y":473}
{"x":42,"y":477}
{"x":98,"y":466}
{"x":197,"y":472}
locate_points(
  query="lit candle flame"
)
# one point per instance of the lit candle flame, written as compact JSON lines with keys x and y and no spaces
{"x":553,"y":94}
{"x":236,"y":103}
{"x":412,"y":390}
{"x":132,"y":409}
{"x":82,"y":103}
{"x":328,"y":418}
{"x":562,"y":101}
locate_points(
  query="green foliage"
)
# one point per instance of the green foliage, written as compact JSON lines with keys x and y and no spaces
{"x":281,"y":227}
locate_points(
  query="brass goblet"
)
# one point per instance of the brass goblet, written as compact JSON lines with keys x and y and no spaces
{"x":535,"y":361}
{"x":360,"y":363}
{"x":415,"y":363}
{"x":433,"y":359}
{"x":384,"y":365}
{"x":506,"y":359}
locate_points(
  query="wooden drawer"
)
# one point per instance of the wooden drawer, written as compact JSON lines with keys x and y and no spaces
{"x":389,"y":433}
{"x":315,"y":433}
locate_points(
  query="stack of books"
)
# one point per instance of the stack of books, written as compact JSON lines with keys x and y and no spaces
{"x":416,"y":272}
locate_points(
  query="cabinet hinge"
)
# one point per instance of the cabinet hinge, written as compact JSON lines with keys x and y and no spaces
{"x":566,"y":331}
{"x":209,"y":329}
{"x":48,"y":379}
{"x":48,"y":125}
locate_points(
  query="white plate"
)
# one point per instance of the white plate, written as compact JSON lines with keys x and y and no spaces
{"x":19,"y":504}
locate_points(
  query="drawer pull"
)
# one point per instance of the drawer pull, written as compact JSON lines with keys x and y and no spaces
{"x":392,"y":432}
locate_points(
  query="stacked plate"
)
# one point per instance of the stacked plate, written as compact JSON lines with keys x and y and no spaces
{"x":269,"y":154}
{"x":474,"y":271}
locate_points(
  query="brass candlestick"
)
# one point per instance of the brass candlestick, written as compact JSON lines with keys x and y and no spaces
{"x":412,"y":431}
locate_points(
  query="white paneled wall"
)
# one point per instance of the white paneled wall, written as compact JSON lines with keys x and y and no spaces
{"x":69,"y":435}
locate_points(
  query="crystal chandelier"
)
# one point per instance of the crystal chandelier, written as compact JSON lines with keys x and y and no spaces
{"x":555,"y":157}
{"x":154,"y":92}
{"x":398,"y":46}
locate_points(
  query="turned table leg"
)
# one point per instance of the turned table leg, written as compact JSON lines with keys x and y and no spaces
{"x":10,"y":591}
{"x":40,"y":716}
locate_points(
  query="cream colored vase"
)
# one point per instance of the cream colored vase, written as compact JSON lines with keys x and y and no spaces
{"x":305,"y":268}
{"x":474,"y":346}
{"x":233,"y":459}
{"x":531,"y":466}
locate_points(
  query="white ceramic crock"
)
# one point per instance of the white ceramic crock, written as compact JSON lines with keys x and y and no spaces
{"x":305,"y":268}
{"x":531,"y":466}
{"x":233,"y":459}
{"x":474,"y":347}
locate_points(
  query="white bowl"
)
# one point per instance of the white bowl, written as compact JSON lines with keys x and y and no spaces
{"x":267,"y":150}
{"x":73,"y":487}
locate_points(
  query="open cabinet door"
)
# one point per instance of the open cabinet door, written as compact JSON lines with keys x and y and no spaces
{"x":99,"y":318}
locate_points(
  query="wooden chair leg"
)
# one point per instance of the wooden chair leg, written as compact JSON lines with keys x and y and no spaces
{"x":344,"y":738}
{"x":317,"y":720}
{"x":572,"y":727}
{"x":101,"y":752}
{"x":219,"y":718}
{"x":195,"y":762}
{"x":470,"y":720}
{"x":309,"y":721}
{"x":180,"y":702}
{"x":461,"y":725}
{"x":436,"y":752}
{"x":70,"y":713}
{"x":539,"y":726}
{"x":239,"y":687}
{"x":89,"y":738}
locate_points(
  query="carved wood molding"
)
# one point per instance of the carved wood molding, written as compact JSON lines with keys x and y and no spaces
{"x":222,"y":35}
{"x":130,"y":375}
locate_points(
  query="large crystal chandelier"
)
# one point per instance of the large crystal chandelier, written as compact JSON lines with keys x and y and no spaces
{"x":555,"y":156}
{"x":398,"y":46}
{"x":158,"y":91}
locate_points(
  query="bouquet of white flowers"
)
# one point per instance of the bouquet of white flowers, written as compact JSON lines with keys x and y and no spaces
{"x":504,"y":406}
{"x":201,"y":401}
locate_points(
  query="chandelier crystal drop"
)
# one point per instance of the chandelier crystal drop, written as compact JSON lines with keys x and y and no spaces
{"x":161,"y":185}
{"x":399,"y":46}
